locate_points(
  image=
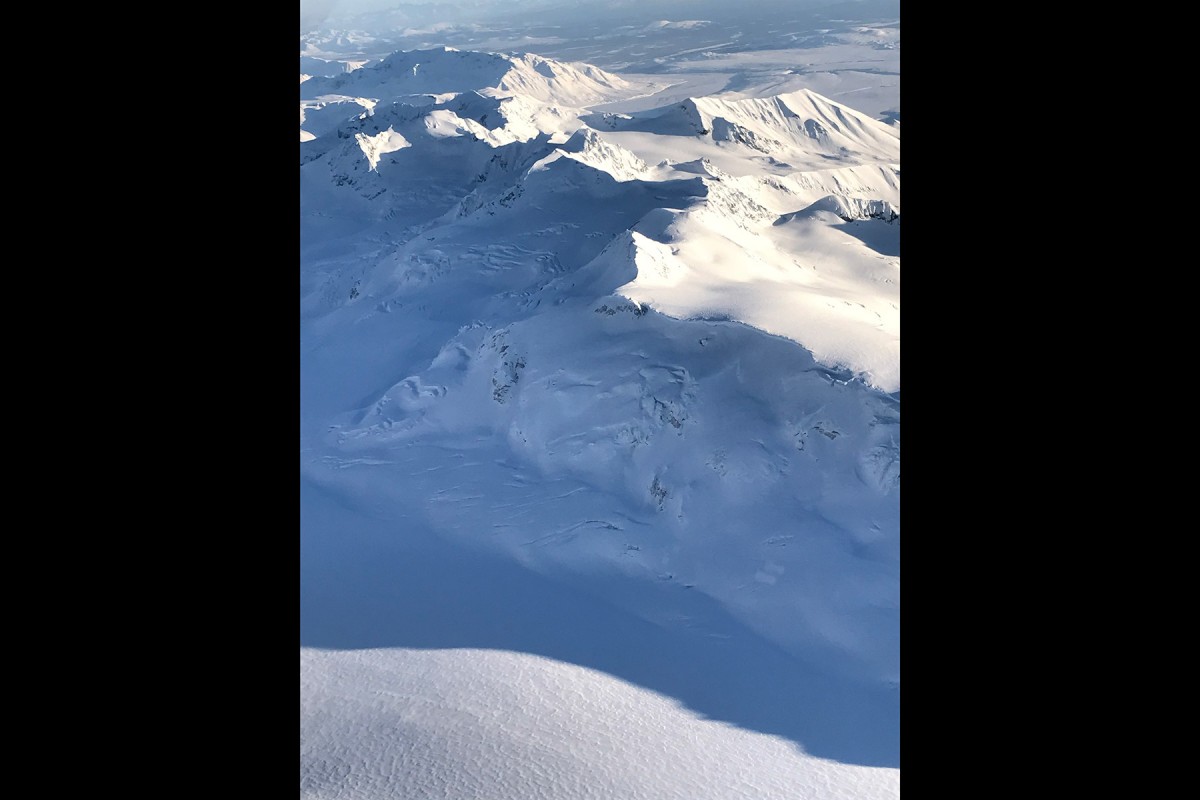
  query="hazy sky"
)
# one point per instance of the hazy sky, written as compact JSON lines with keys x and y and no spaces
{"x":447,"y":9}
{"x":314,"y":12}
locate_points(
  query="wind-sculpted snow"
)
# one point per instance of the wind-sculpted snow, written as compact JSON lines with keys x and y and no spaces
{"x":657,"y":349}
{"x":488,"y":725}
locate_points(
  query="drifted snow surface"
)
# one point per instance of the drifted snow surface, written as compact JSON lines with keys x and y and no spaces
{"x":481,"y":724}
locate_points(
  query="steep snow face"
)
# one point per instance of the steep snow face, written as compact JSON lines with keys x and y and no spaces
{"x":809,"y":281}
{"x":383,"y":142}
{"x":495,"y":120}
{"x":795,"y":131}
{"x":801,"y":120}
{"x":318,"y":117}
{"x":389,"y":724}
{"x":850,"y":209}
{"x":588,"y":148}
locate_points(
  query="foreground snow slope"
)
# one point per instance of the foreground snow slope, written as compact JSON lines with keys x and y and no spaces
{"x":391,"y":584}
{"x":484,"y":725}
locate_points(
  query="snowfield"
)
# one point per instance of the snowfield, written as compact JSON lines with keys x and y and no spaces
{"x":600,"y":428}
{"x":487,"y":725}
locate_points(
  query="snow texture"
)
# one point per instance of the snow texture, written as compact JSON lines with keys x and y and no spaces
{"x":484,"y":725}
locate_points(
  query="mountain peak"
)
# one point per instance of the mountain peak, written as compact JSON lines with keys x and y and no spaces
{"x":445,"y":70}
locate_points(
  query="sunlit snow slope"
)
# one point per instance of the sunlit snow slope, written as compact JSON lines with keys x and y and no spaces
{"x":638,"y":372}
{"x":481,"y":724}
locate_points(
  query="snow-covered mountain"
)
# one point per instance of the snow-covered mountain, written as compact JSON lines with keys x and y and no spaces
{"x":649,"y":354}
{"x":800,"y":125}
{"x":447,"y":70}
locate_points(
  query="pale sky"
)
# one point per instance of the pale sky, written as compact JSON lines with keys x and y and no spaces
{"x":442,"y":9}
{"x":314,"y":12}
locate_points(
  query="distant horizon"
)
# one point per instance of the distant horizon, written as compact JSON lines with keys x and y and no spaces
{"x":314,"y":13}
